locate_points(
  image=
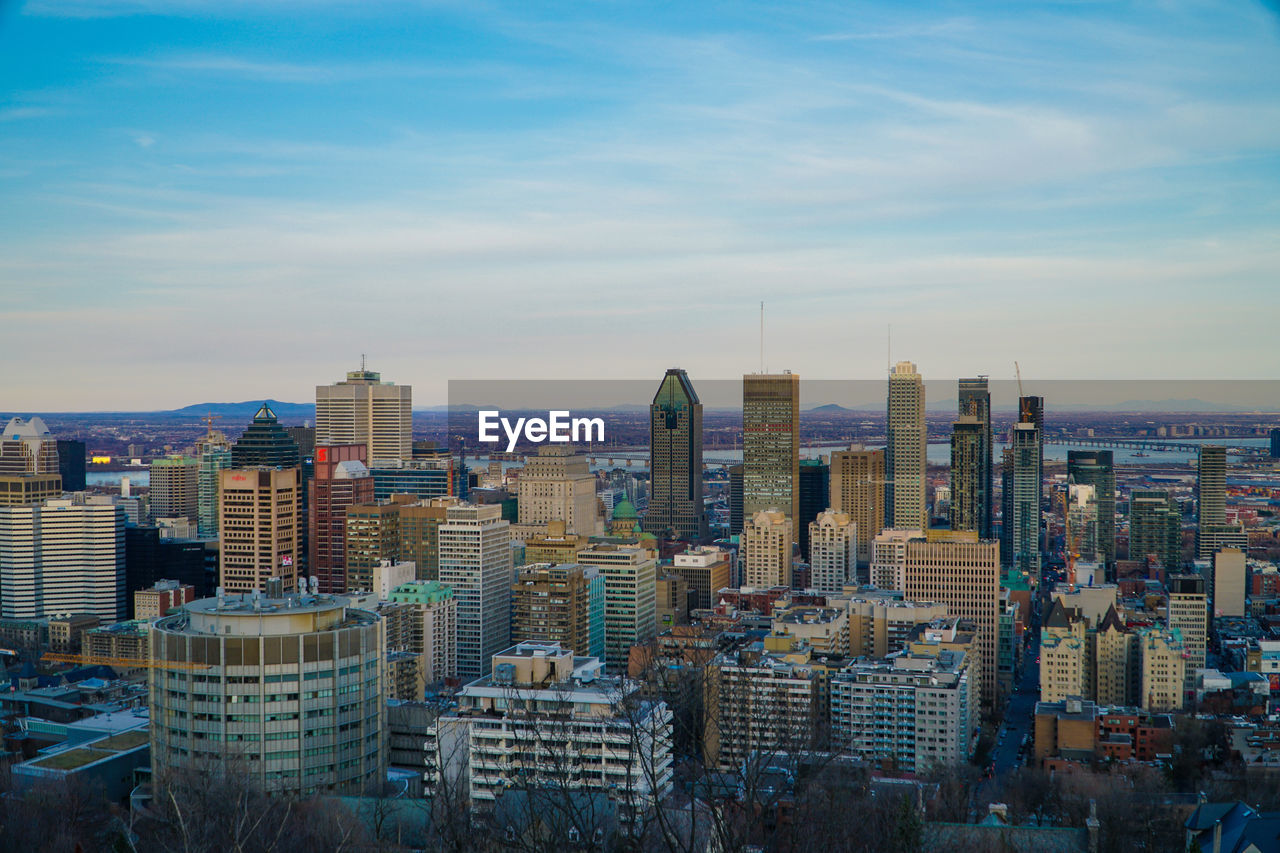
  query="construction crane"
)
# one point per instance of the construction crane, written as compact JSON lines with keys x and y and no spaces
{"x":122,"y":663}
{"x":1018,"y":372}
{"x":208,"y":420}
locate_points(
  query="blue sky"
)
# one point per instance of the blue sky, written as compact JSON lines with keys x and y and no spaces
{"x":217,"y":200}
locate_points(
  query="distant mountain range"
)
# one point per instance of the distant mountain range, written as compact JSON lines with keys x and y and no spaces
{"x":247,"y":409}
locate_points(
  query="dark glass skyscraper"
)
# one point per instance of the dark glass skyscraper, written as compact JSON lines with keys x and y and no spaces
{"x":675,"y":452}
{"x":265,"y":443}
{"x":71,"y":464}
{"x":1155,"y":527}
{"x":966,"y":473}
{"x":1211,"y":496}
{"x":975,"y":402}
{"x":815,"y":496}
{"x":1096,"y":468}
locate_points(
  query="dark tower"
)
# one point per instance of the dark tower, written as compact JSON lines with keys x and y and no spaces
{"x":675,"y":452}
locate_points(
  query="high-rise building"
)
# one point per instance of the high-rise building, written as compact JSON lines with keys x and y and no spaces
{"x":833,"y":558}
{"x":475,"y":560}
{"x":889,"y":558}
{"x":340,"y":482}
{"x":1189,"y":615}
{"x":1163,"y":661}
{"x":258,"y":660}
{"x":29,"y":466}
{"x":967,"y":445}
{"x":372,"y":535}
{"x":975,"y":402}
{"x":1155,"y":527}
{"x":265,"y":444}
{"x":630,"y":597}
{"x":881,"y":623}
{"x":815,"y":496}
{"x":304,"y":437}
{"x":906,"y":443}
{"x":1082,"y":522}
{"x":1026,"y":493}
{"x":707,"y":570}
{"x":736,"y":516}
{"x":435,"y":631}
{"x":1215,"y":537}
{"x":71,"y":464}
{"x":363,"y":409}
{"x":423,"y":478}
{"x":963,"y":572}
{"x":214,"y":454}
{"x":259,"y":510}
{"x":771,"y":443}
{"x":150,"y":559}
{"x":675,"y":450}
{"x":1211,"y":495}
{"x":557,"y":485}
{"x":1274,"y":434}
{"x":765,"y":548}
{"x":63,"y":556}
{"x":1096,"y":468}
{"x":858,"y":489}
{"x":559,"y":603}
{"x":175,"y":487}
{"x":1228,"y":582}
{"x":761,"y":703}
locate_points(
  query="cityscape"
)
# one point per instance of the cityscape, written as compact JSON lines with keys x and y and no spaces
{"x":630,"y":427}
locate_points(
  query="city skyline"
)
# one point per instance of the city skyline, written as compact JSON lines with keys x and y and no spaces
{"x":1087,"y":165}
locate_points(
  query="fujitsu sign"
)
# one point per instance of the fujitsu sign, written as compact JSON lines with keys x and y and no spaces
{"x":559,"y":427}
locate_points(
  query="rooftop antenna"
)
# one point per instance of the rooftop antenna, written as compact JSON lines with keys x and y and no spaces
{"x":762,"y":336}
{"x":888,"y":348}
{"x":362,"y":364}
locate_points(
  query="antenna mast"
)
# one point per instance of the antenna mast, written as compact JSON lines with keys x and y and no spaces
{"x":762,"y":336}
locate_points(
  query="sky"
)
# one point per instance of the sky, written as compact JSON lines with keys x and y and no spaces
{"x":217,"y":201}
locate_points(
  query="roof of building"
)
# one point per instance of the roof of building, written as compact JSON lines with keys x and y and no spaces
{"x":624,"y":509}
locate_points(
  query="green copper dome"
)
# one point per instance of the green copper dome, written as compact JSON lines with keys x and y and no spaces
{"x":624,"y":509}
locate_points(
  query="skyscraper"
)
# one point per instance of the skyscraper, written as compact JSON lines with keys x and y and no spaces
{"x":815,"y":496}
{"x":906,"y":443}
{"x":966,"y":473}
{"x":557,"y":485}
{"x":735,"y":500}
{"x":1082,"y":522}
{"x":771,"y":443}
{"x":766,"y":550}
{"x":29,"y":468}
{"x":833,"y":557}
{"x":1095,"y":468}
{"x":1189,"y":615}
{"x":71,"y":464}
{"x":1026,"y":478}
{"x":66,"y":555}
{"x":630,"y":597}
{"x":560,"y":603}
{"x":475,"y":560}
{"x":341,"y":481}
{"x":365,"y":410}
{"x":175,"y":487}
{"x":265,"y":443}
{"x":858,"y":490}
{"x":1155,"y":527}
{"x":675,"y":453}
{"x":975,"y":402}
{"x":259,"y":511}
{"x":214,"y":454}
{"x":1211,"y":495}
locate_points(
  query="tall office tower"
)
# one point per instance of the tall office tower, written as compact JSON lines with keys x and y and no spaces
{"x":889,"y":558}
{"x":341,"y":481}
{"x":736,"y":516}
{"x":975,"y":402}
{"x":259,"y":510}
{"x":475,"y":560}
{"x":175,"y":487}
{"x":373,"y":535}
{"x":265,"y":444}
{"x":857,"y":489}
{"x":675,"y":452}
{"x":71,"y":466}
{"x":1096,"y":468}
{"x":1025,"y":499}
{"x":766,"y":550}
{"x":1189,"y":614}
{"x":29,"y":472}
{"x":63,"y":556}
{"x":304,"y":437}
{"x":967,"y":442}
{"x":1211,"y":495}
{"x":907,"y":441}
{"x":833,"y":558}
{"x":630,"y":597}
{"x":815,"y":496}
{"x":306,"y":735}
{"x":149,"y":559}
{"x":1229,"y":582}
{"x":1006,"y":506}
{"x":558,"y":604}
{"x":963,"y":572}
{"x":436,"y":631}
{"x":214,"y":454}
{"x":1274,"y":434}
{"x":1082,"y":522}
{"x":420,"y":534}
{"x":771,"y":443}
{"x":707,"y":570}
{"x":1155,"y":527}
{"x":422,"y":478}
{"x":557,"y":485}
{"x":365,"y":410}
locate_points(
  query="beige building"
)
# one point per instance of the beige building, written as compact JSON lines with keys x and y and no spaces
{"x":28,"y":463}
{"x":1065,"y":658}
{"x":824,"y":629}
{"x":707,"y":570}
{"x":771,"y":443}
{"x":435,"y":631}
{"x":765,"y":547}
{"x":1162,"y":657}
{"x":630,"y":597}
{"x":1189,"y":616}
{"x":554,"y":546}
{"x":962,"y":572}
{"x":1229,"y":582}
{"x":291,"y":688}
{"x":760,"y":702}
{"x":174,"y":490}
{"x":1115,"y":663}
{"x":833,"y":551}
{"x":671,"y":601}
{"x":363,"y":409}
{"x":559,"y":604}
{"x":880,"y":625}
{"x":905,"y":450}
{"x":857,"y":489}
{"x":259,"y":512}
{"x":889,"y":558}
{"x":557,"y":485}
